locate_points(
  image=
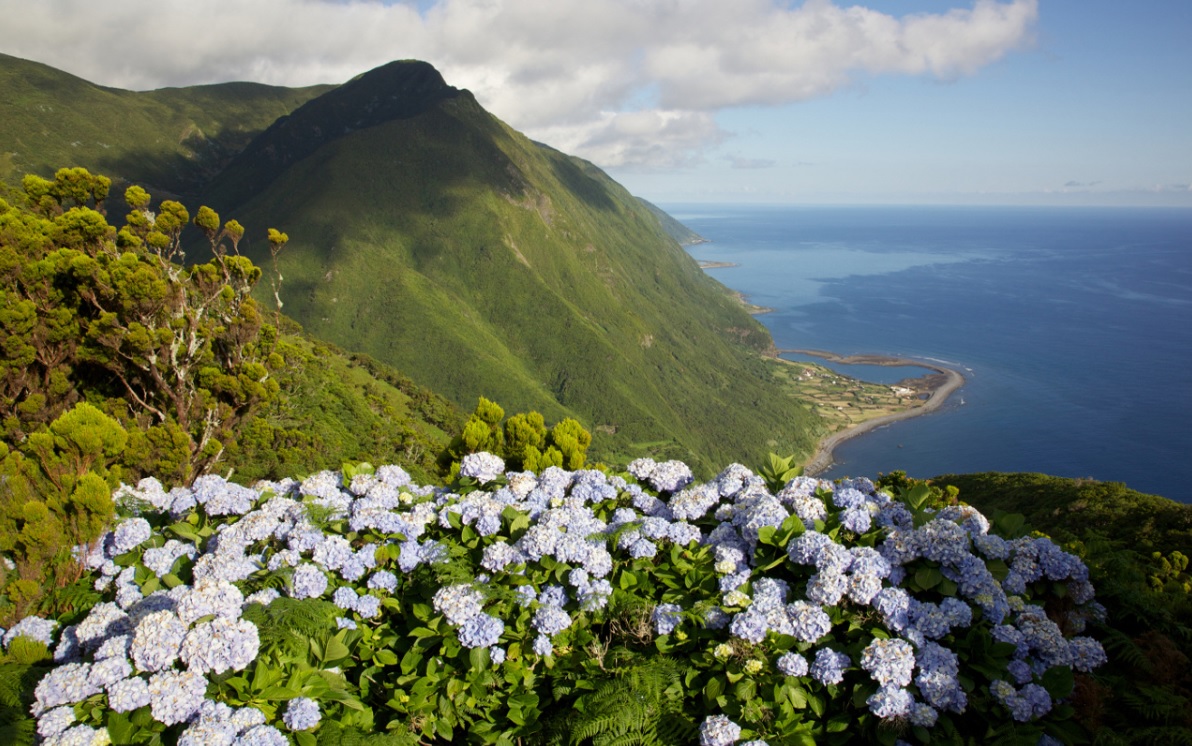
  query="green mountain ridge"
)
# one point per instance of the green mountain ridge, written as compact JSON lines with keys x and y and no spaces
{"x":398,"y":90}
{"x":673,"y":228}
{"x":172,"y":140}
{"x":431,"y":236}
{"x":506,"y":269}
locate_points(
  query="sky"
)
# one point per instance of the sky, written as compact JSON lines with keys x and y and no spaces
{"x":1047,"y":102}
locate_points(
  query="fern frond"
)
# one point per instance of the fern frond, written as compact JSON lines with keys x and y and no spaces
{"x":1123,"y":648}
{"x":18,"y":732}
{"x":11,"y":678}
{"x":288,"y":623}
{"x":1156,"y":703}
{"x":629,"y":707}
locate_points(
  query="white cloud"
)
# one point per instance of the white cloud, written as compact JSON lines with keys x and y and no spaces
{"x":643,"y":140}
{"x":623,"y":82}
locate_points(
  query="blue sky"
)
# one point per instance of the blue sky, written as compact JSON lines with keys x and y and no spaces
{"x":1097,"y":110}
{"x":878,"y":101}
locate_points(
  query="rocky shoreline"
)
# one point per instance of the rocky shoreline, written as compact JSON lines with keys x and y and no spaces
{"x":938,"y":387}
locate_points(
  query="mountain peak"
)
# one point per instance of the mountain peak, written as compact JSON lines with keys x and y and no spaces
{"x":397,"y":90}
{"x":403,"y":75}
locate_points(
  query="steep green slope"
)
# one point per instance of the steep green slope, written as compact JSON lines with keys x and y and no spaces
{"x":480,"y":263}
{"x":432,"y":237}
{"x":673,"y":228}
{"x":172,"y":140}
{"x":336,"y":407}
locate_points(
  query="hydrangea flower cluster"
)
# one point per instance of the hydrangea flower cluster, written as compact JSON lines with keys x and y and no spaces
{"x":837,"y":589}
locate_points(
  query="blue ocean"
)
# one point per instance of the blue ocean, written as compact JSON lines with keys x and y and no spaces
{"x":1072,"y":326}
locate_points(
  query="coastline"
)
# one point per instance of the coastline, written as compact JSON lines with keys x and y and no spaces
{"x":951,"y":380}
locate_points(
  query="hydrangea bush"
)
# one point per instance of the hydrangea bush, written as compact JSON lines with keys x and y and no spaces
{"x":501,"y":609}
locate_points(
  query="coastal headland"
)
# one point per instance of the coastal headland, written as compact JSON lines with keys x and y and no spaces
{"x":925,"y":394}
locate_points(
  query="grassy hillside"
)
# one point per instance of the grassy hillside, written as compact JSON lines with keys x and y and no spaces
{"x":336,"y":407}
{"x":1137,"y":547}
{"x":673,"y":228}
{"x":481,"y":263}
{"x":172,"y":140}
{"x":428,"y":235}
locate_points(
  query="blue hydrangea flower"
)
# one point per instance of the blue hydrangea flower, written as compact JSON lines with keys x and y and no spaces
{"x":148,"y":491}
{"x":174,"y":696}
{"x":718,"y":730}
{"x":368,"y":606}
{"x":157,"y":641}
{"x":244,"y":718}
{"x":109,"y":670}
{"x":889,"y":661}
{"x":302,"y":713}
{"x":207,"y":597}
{"x":161,"y":559}
{"x":262,"y":735}
{"x":693,"y":503}
{"x":1086,"y":654}
{"x":383,"y":580}
{"x":683,"y":533}
{"x":829,"y":666}
{"x":481,"y":631}
{"x":55,"y":721}
{"x":483,"y":467}
{"x":750,"y":625}
{"x":82,"y":735}
{"x":666,"y":617}
{"x":643,"y":549}
{"x":890,"y":702}
{"x":551,"y":620}
{"x":1021,"y":671}
{"x":458,"y":603}
{"x":35,"y":628}
{"x":595,"y":595}
{"x":929,"y":619}
{"x":263,"y":597}
{"x":894,"y":606}
{"x":668,"y":476}
{"x":332,"y":552}
{"x":809,"y":623}
{"x":543,"y":646}
{"x":827,"y":587}
{"x":923,"y":715}
{"x":128,"y":694}
{"x":129,"y":535}
{"x":655,"y":527}
{"x":856,"y":519}
{"x":792,"y":664}
{"x":938,"y":679}
{"x":208,"y":734}
{"x":220,"y":497}
{"x":345,"y":598}
{"x":308,"y":582}
{"x":553,"y":595}
{"x":220,"y":645}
